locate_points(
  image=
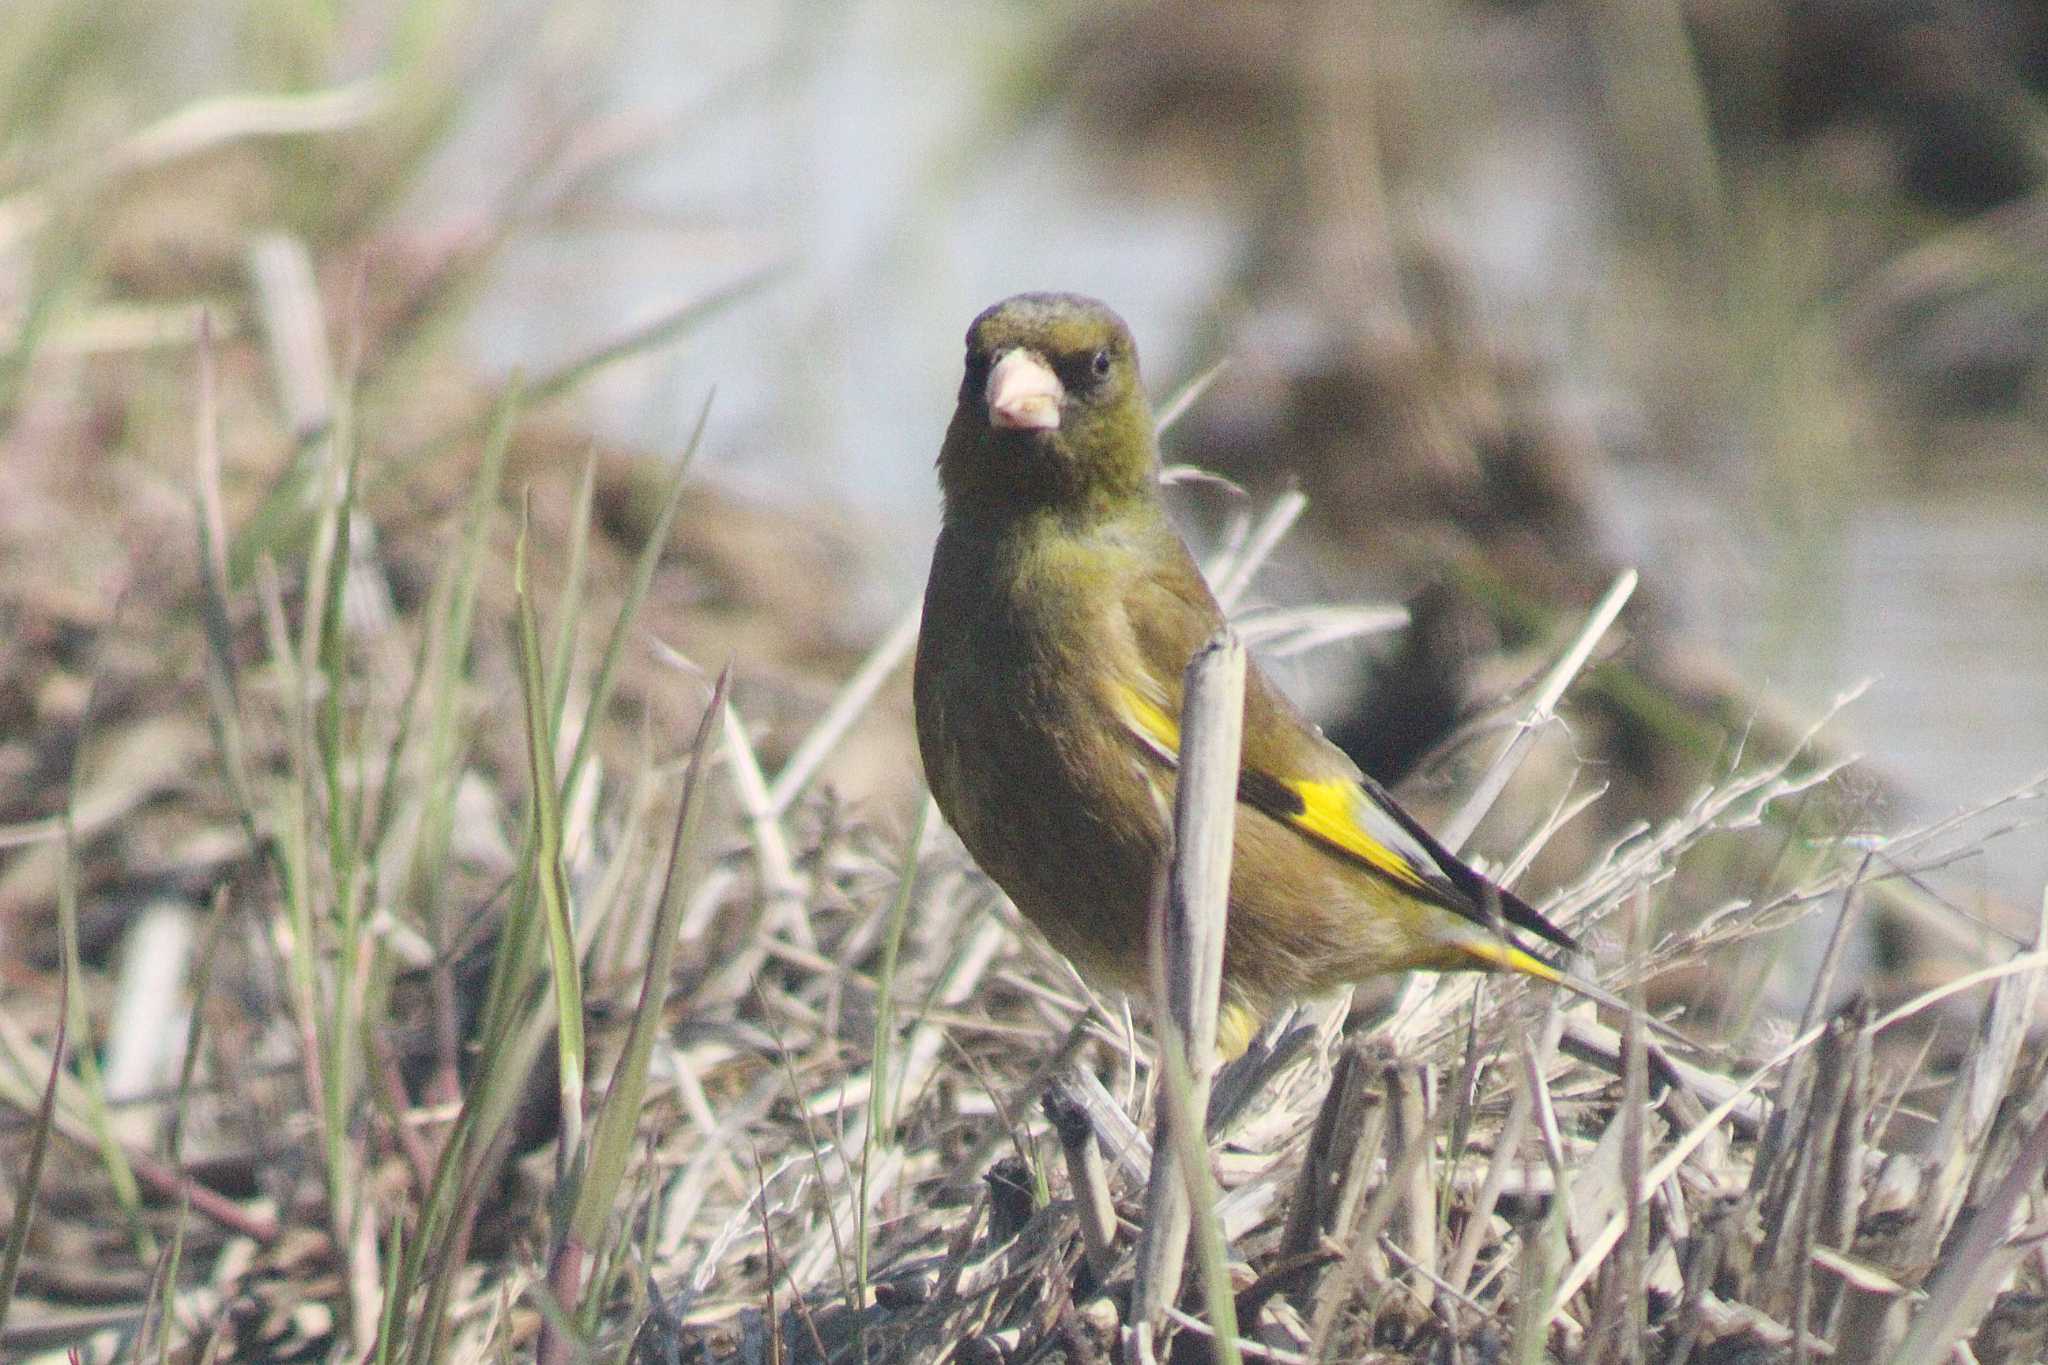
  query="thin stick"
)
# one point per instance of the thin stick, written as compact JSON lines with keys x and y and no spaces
{"x":1505,"y":1145}
{"x":1179,"y":402}
{"x":1234,"y":577}
{"x":1455,"y":831}
{"x":860,"y":689}
{"x":1068,"y":1113}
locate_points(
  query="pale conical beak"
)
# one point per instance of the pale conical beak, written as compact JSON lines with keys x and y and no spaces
{"x":1023,"y":393}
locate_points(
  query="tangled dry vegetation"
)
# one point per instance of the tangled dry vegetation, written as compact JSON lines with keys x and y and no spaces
{"x":822,"y":1099}
{"x":1485,"y":1175}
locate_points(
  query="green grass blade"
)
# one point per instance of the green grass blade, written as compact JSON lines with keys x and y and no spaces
{"x":550,"y":384}
{"x":454,"y":628}
{"x":636,"y":593}
{"x":547,"y":856}
{"x":671,"y":326}
{"x":612,"y":1132}
{"x":223,"y":688}
{"x":1184,"y":1129}
{"x":119,"y":1173}
{"x":394,"y":1301}
{"x":325,"y":655}
{"x":166,"y":1296}
{"x":31,"y":1178}
{"x":378,"y":828}
{"x":64,"y":279}
{"x":571,"y":600}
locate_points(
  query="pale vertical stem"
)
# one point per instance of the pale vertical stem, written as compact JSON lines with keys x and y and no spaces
{"x":1411,"y":1144}
{"x":1636,"y":1103}
{"x":1188,"y":965}
{"x":1204,"y":819}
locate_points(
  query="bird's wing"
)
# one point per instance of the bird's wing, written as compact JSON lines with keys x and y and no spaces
{"x":1291,"y":772}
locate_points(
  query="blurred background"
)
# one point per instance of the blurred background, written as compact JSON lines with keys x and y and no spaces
{"x":1749,"y":294}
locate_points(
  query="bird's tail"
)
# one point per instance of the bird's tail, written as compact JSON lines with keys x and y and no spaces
{"x":1501,"y":955}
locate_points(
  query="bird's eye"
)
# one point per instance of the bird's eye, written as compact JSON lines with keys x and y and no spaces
{"x":1098,"y":364}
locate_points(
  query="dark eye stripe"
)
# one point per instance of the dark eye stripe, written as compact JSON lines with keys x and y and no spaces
{"x":1084,"y":371}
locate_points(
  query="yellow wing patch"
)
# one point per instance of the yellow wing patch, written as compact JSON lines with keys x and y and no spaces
{"x":1324,"y":810}
{"x":1156,"y":727}
{"x":1333,"y":812}
{"x":1327,"y":813}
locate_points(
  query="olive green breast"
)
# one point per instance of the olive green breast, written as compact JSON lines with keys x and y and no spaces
{"x":1021,"y":745}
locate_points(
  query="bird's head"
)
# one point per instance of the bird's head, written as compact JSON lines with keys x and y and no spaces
{"x":1051,"y":412}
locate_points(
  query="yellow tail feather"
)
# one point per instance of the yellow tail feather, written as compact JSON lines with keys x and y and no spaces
{"x":1507,"y":957}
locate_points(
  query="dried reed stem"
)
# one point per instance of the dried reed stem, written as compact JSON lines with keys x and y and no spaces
{"x":1205,"y":813}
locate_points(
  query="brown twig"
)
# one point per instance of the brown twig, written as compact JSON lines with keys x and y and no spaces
{"x":1088,"y":1175}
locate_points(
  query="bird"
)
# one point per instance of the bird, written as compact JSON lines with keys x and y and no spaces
{"x":1061,"y":611}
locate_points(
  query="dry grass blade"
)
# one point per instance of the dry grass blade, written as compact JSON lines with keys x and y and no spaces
{"x":1597,"y":1247}
{"x":1126,"y":1144}
{"x":1506,"y":1146}
{"x":1842,"y":1196}
{"x":1623,"y":1319}
{"x":772,"y":856}
{"x":1363,"y":1263}
{"x":2024,"y":962}
{"x":1340,"y":1151}
{"x":194,"y":129}
{"x":1233,"y":573}
{"x":1978,"y":1264}
{"x":1411,"y":1123}
{"x":1186,"y":396}
{"x":295,"y":326}
{"x":852,"y":699}
{"x":1282,"y":634}
{"x":1973,"y":1104}
{"x":1175,"y":474}
{"x":209,"y":123}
